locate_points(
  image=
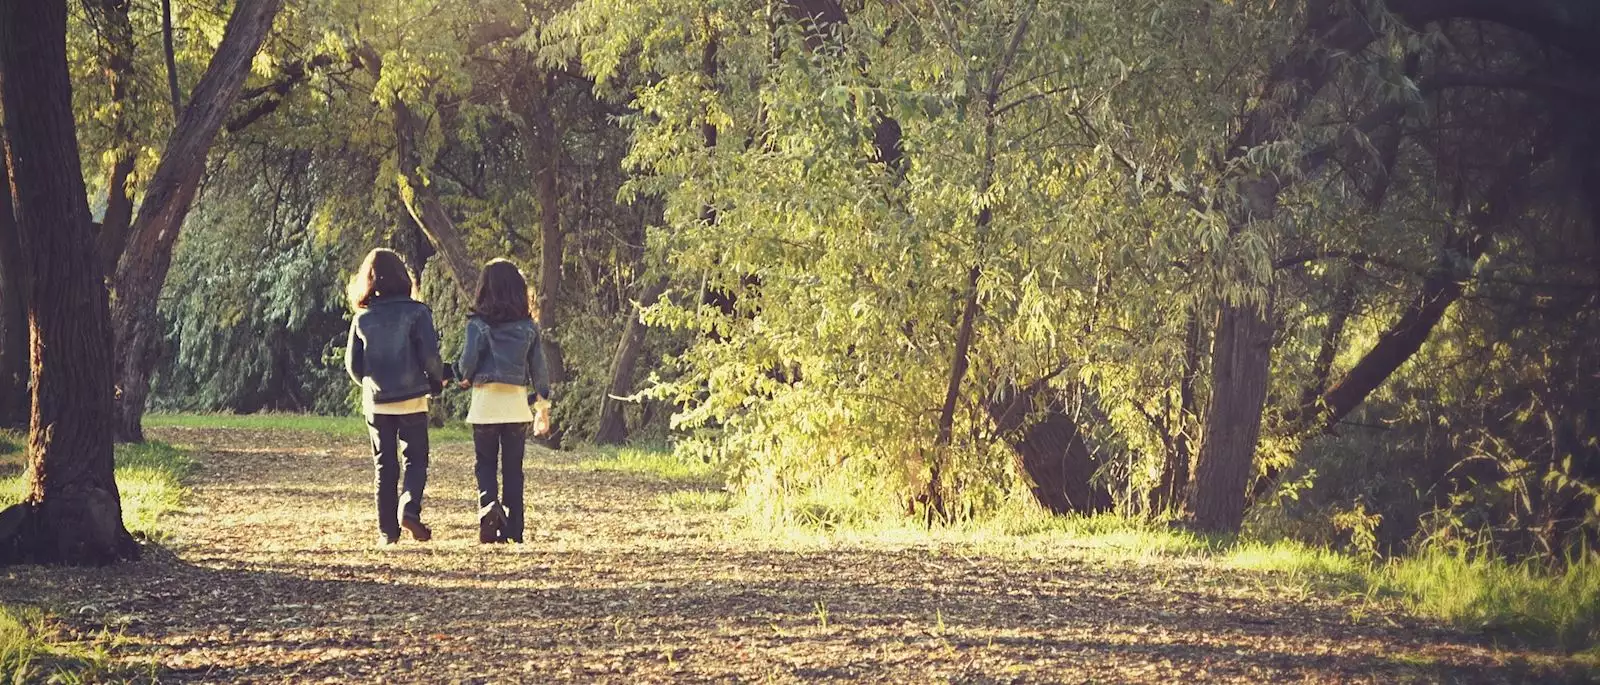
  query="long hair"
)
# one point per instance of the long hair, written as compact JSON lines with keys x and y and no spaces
{"x":503,"y":294}
{"x":382,"y":273}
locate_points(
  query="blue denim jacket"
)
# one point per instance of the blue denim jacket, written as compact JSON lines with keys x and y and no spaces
{"x":507,"y":352}
{"x":393,"y":341}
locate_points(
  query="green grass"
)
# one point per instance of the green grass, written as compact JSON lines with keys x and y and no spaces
{"x":32,"y":649}
{"x":148,"y":477}
{"x":657,"y":463}
{"x":340,"y":426}
{"x":1522,"y":601}
{"x":696,"y":501}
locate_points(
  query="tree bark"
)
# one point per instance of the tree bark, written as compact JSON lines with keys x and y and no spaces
{"x":142,"y":271}
{"x":1241,"y":360}
{"x":1050,"y":449}
{"x":72,"y":513}
{"x":421,"y":199}
{"x":13,"y":310}
{"x":613,"y":429}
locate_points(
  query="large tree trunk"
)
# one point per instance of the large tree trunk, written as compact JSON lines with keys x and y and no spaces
{"x":1240,"y":361}
{"x":73,"y":512}
{"x":142,"y":271}
{"x":13,"y":311}
{"x":1051,"y":448}
{"x":421,"y":199}
{"x":613,"y":428}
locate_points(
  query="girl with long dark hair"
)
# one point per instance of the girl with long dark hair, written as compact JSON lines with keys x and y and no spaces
{"x":393,"y":353}
{"x":501,"y":359}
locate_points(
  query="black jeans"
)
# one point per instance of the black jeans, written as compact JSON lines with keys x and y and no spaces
{"x":503,"y":445}
{"x":399,"y":441}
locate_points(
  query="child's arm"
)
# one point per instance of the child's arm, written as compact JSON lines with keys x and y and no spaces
{"x":537,"y":372}
{"x":471,"y":353}
{"x":425,"y":340}
{"x":355,"y":355}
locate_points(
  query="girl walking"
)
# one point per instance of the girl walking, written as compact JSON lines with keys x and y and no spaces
{"x":393,"y":354}
{"x":501,"y":359}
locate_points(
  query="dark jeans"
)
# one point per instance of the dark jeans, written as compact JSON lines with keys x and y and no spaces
{"x":503,"y":445}
{"x":399,"y":442}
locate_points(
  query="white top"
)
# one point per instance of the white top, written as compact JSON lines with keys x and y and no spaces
{"x":499,"y":403}
{"x":415,"y":405}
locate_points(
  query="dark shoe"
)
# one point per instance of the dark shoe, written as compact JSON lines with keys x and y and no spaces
{"x":418,"y":530}
{"x":491,"y":520}
{"x":387,"y":540}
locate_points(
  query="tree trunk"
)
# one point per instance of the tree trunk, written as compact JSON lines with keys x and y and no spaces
{"x":1051,"y":449}
{"x":1240,"y":362}
{"x":421,"y":199}
{"x":551,"y":237}
{"x":72,"y":513}
{"x":118,"y":35}
{"x":142,"y":271}
{"x":613,"y":428}
{"x":171,"y":57}
{"x":1175,"y":474}
{"x":13,"y":311}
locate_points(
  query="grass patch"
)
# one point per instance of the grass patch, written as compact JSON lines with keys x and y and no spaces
{"x":340,"y":426}
{"x":696,"y":501}
{"x":33,"y":650}
{"x":149,"y":477}
{"x":1523,"y":601}
{"x":658,"y":463}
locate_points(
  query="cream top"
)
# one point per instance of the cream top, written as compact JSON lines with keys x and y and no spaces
{"x":414,"y":405}
{"x":499,"y":403}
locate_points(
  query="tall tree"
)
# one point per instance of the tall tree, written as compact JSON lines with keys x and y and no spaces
{"x":72,"y":513}
{"x":142,"y":269}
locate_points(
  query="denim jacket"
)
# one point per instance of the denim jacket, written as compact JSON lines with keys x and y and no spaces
{"x":394,"y":343}
{"x":508,"y":352}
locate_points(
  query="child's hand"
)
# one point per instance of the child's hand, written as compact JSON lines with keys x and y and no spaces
{"x":465,"y":384}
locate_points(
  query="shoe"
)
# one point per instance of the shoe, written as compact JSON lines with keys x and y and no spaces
{"x":387,"y":540}
{"x":490,"y":520}
{"x":418,"y":530}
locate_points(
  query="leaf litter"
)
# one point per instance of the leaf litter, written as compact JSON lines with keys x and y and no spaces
{"x":272,"y":575}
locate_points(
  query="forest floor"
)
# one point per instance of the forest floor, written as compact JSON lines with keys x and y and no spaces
{"x":272,"y":575}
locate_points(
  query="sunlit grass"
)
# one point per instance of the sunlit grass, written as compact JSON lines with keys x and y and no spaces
{"x":661,"y":464}
{"x":34,"y":651}
{"x":340,"y":426}
{"x":149,"y":478}
{"x":1522,"y":600}
{"x":696,"y":501}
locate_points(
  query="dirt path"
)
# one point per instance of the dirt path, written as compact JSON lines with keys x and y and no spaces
{"x":273,"y":576}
